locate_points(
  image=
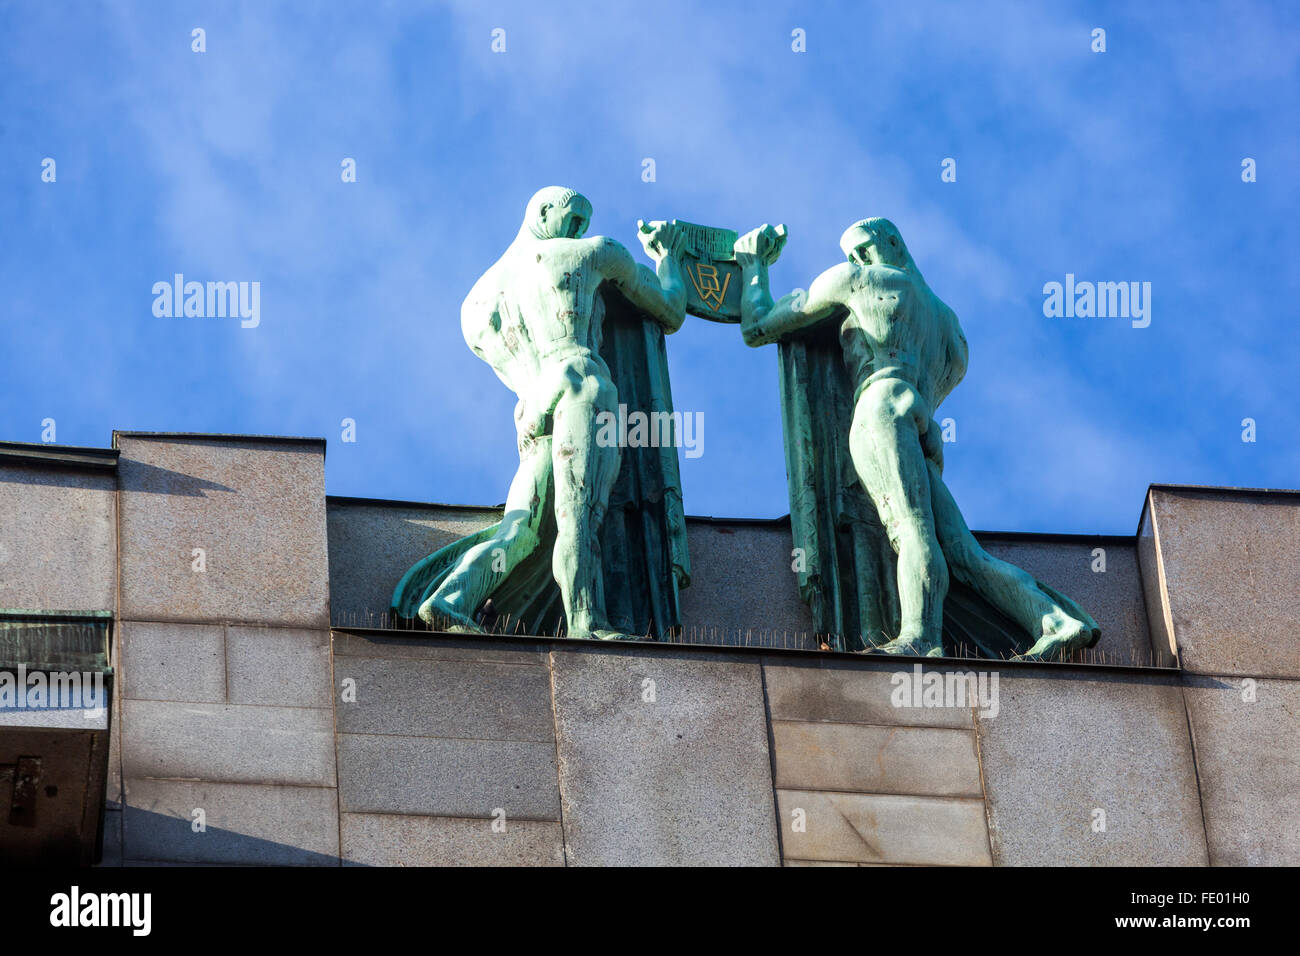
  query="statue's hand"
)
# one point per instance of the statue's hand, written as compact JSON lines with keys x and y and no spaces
{"x":776,"y":237}
{"x":761,"y":245}
{"x":530,"y":422}
{"x":660,"y":239}
{"x":754,"y":252}
{"x":751,"y":248}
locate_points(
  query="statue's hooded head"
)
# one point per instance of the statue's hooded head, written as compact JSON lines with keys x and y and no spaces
{"x":556,"y":212}
{"x":876,"y":242}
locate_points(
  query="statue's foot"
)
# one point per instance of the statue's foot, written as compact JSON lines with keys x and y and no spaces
{"x":586,"y":632}
{"x":913,"y":646}
{"x":1060,"y":642}
{"x":438,"y":613}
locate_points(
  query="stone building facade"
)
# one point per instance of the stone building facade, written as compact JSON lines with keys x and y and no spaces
{"x":263,"y":712}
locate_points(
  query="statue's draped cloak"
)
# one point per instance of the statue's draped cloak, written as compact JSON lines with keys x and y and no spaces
{"x":847,"y":570}
{"x":643,"y":537}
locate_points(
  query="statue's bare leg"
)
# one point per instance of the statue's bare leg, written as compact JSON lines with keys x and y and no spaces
{"x":585,"y":472}
{"x":483,"y":566}
{"x":886,"y":447}
{"x":1012,"y":591}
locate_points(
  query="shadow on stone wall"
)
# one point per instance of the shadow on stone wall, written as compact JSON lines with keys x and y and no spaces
{"x":155,"y":838}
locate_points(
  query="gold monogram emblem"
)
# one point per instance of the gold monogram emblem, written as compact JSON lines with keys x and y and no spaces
{"x":705,"y":278}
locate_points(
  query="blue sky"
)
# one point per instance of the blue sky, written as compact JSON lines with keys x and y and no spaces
{"x":1115,"y":166}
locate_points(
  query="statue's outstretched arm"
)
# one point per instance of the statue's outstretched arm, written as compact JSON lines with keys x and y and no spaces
{"x":764,"y":321}
{"x":661,"y":293}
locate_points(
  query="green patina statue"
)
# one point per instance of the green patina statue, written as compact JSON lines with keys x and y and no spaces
{"x":593,"y":541}
{"x":867,"y":355}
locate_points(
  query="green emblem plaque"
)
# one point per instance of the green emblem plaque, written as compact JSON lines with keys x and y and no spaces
{"x":713,"y":278}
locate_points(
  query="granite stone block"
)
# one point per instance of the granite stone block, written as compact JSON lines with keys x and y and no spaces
{"x":769,"y":602}
{"x":286,"y":667}
{"x":883,"y":828}
{"x":177,"y":662}
{"x":1248,"y":756}
{"x":228,"y":743}
{"x":1070,"y":745}
{"x":871,"y":759}
{"x":381,"y":839}
{"x":245,"y":824}
{"x":1227,"y":560}
{"x":454,"y":778}
{"x":663,"y":758}
{"x":68,"y":518}
{"x":476,"y":699}
{"x":256,"y":507}
{"x":854,"y":692}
